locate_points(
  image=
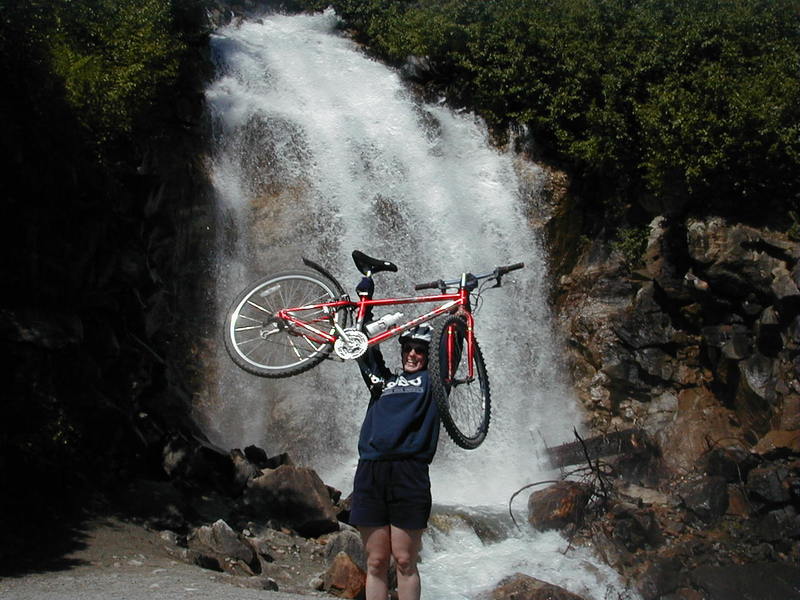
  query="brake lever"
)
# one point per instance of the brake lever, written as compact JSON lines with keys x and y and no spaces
{"x":498,"y":279}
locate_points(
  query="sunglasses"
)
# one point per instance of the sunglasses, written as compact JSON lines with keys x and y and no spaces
{"x":418,"y":348}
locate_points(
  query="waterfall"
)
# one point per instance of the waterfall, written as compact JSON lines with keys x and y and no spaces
{"x":320,"y":150}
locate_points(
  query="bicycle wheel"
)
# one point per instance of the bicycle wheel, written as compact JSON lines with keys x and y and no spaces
{"x":464,"y":404}
{"x":266,"y":346}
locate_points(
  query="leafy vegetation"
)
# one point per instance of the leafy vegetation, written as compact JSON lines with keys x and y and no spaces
{"x":108,"y":59}
{"x":682,"y":101}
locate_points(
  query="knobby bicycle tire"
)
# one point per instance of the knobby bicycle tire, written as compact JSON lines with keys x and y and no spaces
{"x":263,"y":346}
{"x":464,"y":406}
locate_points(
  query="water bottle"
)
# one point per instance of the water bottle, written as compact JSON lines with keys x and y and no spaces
{"x":383,"y":323}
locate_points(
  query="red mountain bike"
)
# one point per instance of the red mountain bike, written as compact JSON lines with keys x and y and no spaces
{"x":291,"y":321}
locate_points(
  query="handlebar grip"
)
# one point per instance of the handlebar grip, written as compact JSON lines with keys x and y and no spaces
{"x":427,"y":286}
{"x":508,"y":268}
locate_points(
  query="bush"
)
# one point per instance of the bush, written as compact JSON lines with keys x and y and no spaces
{"x":699,"y":101}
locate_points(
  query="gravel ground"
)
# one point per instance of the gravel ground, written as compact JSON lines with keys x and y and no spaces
{"x":117,"y":560}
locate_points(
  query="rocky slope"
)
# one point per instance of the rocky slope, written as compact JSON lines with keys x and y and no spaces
{"x":696,"y":347}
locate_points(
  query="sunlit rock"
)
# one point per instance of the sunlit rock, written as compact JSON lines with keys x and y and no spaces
{"x":344,"y":578}
{"x":524,"y":587}
{"x":558,"y":506}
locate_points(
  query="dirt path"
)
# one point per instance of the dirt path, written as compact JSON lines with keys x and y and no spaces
{"x":118,"y":560}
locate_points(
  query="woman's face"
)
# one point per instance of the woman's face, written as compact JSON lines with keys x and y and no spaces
{"x":414,"y":356}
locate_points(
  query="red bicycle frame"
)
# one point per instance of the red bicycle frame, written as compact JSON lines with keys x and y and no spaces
{"x":455,"y":302}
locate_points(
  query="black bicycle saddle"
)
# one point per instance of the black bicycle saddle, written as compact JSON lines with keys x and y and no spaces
{"x":367,"y":264}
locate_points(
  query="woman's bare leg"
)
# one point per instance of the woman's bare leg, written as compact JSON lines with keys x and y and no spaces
{"x":405,"y":547}
{"x":378,"y":546}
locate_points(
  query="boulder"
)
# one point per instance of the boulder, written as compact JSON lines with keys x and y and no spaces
{"x":734,"y":258}
{"x":770,"y":484}
{"x":706,"y":497}
{"x":199,"y":464}
{"x":634,"y":528}
{"x":790,"y":412}
{"x":659,"y":578}
{"x":243,"y":469}
{"x":349,"y":542}
{"x":779,"y":524}
{"x":524,"y":587}
{"x":759,"y":376}
{"x":767,"y":332}
{"x":558,"y":506}
{"x":699,"y":418}
{"x":344,"y":578}
{"x":220,"y":548}
{"x":733,"y":463}
{"x":748,"y":581}
{"x":295,"y":496}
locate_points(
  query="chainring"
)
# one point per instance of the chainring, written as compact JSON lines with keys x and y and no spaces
{"x":352,"y":345}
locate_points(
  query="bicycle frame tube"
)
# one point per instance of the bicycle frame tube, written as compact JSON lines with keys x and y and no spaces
{"x":456,"y":299}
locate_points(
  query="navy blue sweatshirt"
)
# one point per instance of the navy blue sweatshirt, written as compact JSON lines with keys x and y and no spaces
{"x":402,"y":420}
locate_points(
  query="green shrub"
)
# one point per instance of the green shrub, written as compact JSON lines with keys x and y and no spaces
{"x":665,"y":97}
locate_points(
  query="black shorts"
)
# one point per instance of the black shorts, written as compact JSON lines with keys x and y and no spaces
{"x":391,"y":492}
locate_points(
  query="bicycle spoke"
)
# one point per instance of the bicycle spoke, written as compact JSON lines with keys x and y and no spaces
{"x":251,"y":303}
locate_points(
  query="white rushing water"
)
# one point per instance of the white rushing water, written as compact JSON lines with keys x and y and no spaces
{"x":320,"y":150}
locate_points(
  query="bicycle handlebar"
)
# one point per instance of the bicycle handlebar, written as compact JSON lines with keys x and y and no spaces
{"x":441,"y":284}
{"x":509,"y":268}
{"x":429,"y":285}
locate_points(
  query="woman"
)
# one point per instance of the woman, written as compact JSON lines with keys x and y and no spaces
{"x":392,"y":491}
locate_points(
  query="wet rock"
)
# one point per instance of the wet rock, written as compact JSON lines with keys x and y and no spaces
{"x":524,"y":587}
{"x":417,"y":68}
{"x":748,"y":581}
{"x":558,"y":506}
{"x":706,"y":498}
{"x":295,"y":496}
